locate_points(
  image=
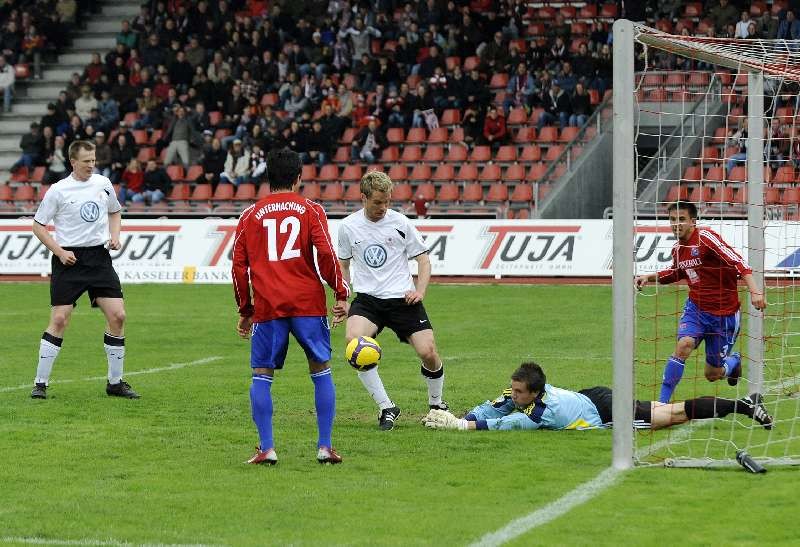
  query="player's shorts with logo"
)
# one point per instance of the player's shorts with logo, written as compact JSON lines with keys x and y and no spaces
{"x":718,"y":331}
{"x":93,"y":272}
{"x":602,"y":398}
{"x":402,"y":318}
{"x":270,"y":340}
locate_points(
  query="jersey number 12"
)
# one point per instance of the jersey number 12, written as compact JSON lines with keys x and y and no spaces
{"x":288,"y":224}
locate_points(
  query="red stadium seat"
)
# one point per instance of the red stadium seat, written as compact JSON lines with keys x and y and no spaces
{"x":451,"y":116}
{"x":351,"y":173}
{"x":467,"y":172}
{"x":514,"y":173}
{"x":426,"y":190}
{"x":525,"y":135}
{"x":498,"y":193}
{"x":309,"y":172}
{"x":506,"y":154}
{"x":263,"y":190}
{"x":548,"y":134}
{"x":353,"y":192}
{"x":6,"y":192}
{"x":328,"y":173}
{"x":448,"y":193}
{"x":342,"y":154}
{"x":420,"y":172}
{"x":517,"y":116}
{"x":481,"y":154}
{"x":201,"y":192}
{"x":472,"y":193}
{"x":411,"y":154}
{"x":531,"y":153}
{"x":444,"y":173}
{"x":333,"y":192}
{"x":179,"y":192}
{"x":311,"y":190}
{"x":537,"y":172}
{"x":395,"y":135}
{"x":554,"y":152}
{"x":175,"y":172}
{"x":433,"y":154}
{"x":398,"y":173}
{"x":38,"y":174}
{"x":224,"y":192}
{"x":490,"y":173}
{"x":416,"y":135}
{"x":24,"y":192}
{"x":523,"y":193}
{"x":246,"y":191}
{"x":390,"y":154}
{"x":457,"y":153}
{"x":499,"y":80}
{"x":402,"y":192}
{"x":438,"y":135}
{"x":348,"y":135}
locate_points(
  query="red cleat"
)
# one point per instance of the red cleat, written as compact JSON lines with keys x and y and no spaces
{"x":264,"y":457}
{"x":328,"y":455}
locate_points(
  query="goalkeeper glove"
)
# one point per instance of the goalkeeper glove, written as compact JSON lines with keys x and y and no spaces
{"x":442,"y":419}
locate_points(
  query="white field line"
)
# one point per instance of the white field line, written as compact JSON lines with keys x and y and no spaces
{"x":171,"y":366}
{"x":99,"y":542}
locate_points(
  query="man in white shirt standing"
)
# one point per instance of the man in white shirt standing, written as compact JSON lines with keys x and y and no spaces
{"x":380,"y":242}
{"x":87,"y":217}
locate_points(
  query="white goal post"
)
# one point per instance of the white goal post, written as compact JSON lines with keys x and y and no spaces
{"x":759,"y":60}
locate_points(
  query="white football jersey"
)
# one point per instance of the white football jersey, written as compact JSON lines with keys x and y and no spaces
{"x":79,"y":210}
{"x":380,"y":252}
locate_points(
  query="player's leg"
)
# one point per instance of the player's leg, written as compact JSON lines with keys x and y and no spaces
{"x":432,"y":369}
{"x":718,"y":407}
{"x":314,"y":336}
{"x":114,"y":345}
{"x":364,"y":320}
{"x":268,"y":345}
{"x":662,"y":414}
{"x":49,"y":347}
{"x":689,"y":331}
{"x":720,"y":361}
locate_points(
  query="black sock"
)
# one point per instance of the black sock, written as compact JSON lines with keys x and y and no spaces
{"x":709,"y":407}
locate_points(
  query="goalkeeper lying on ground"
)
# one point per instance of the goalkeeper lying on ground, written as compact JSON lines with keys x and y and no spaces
{"x":531,"y":403}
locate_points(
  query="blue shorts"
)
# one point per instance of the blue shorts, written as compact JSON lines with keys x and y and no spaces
{"x":270,"y":340}
{"x":718,"y":331}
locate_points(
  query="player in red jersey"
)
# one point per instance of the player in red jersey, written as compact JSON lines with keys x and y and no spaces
{"x":274,"y":252}
{"x":711,"y":313}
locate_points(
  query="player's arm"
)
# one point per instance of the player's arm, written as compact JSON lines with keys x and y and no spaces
{"x":664,"y":277}
{"x":240,"y":273}
{"x":727,"y":254}
{"x":67,"y":258}
{"x":114,"y":229}
{"x":423,"y":279}
{"x":442,"y":419}
{"x":329,"y":266}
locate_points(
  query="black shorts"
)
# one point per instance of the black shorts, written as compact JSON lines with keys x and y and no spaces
{"x":601,"y":397}
{"x":92,"y":272}
{"x":402,"y":318}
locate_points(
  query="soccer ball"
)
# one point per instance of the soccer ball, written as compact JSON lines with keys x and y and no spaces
{"x":363,"y":353}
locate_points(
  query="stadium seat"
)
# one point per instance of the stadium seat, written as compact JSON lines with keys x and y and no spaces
{"x":490,"y":173}
{"x":457,"y":135}
{"x":715,"y":174}
{"x":375,"y":167}
{"x":467,"y":172}
{"x":772,"y":196}
{"x":433,"y":154}
{"x":194,"y":172}
{"x":328,"y":173}
{"x":224,"y":192}
{"x":420,"y":172}
{"x":608,"y":11}
{"x":175,"y":172}
{"x":270,"y":99}
{"x":515,"y":172}
{"x":523,"y":214}
{"x":246,"y":191}
{"x":472,"y":193}
{"x":140,"y":137}
{"x":738,"y":174}
{"x":342,"y":154}
{"x":497,"y":193}
{"x":448,"y":193}
{"x":547,"y":134}
{"x":785,"y":174}
{"x":525,"y":135}
{"x":416,"y":135}
{"x":568,"y":134}
{"x":506,"y":154}
{"x":333,"y":191}
{"x":693,"y":174}
{"x":481,"y":154}
{"x":6,"y":192}
{"x":42,"y":191}
{"x":677,"y":192}
{"x":402,"y":192}
{"x":411,"y":154}
{"x":348,"y":135}
{"x":531,"y":153}
{"x":791,"y":196}
{"x":523,"y":193}
{"x":395,"y":135}
{"x":451,"y":116}
{"x":263,"y":190}
{"x":537,"y":172}
{"x":471,"y":62}
{"x":37,"y":175}
{"x":309,"y":172}
{"x":390,"y":154}
{"x":426,"y":190}
{"x":311,"y":190}
{"x":438,"y":135}
{"x":457,"y":153}
{"x":179,"y":192}
{"x":214,"y":117}
{"x":452,"y":62}
{"x":130,"y":118}
{"x":145,"y":154}
{"x":588,"y":11}
{"x":701,"y":193}
{"x":499,"y":80}
{"x":554,"y":152}
{"x":24,"y":192}
{"x":352,"y":193}
{"x":398,"y":173}
{"x":201,"y":192}
{"x":444,"y":173}
{"x":517,"y":116}
{"x":351,"y":173}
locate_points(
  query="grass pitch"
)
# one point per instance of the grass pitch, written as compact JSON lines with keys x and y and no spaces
{"x":82,"y":468}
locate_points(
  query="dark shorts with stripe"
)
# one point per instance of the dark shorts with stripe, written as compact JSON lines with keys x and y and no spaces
{"x":93,"y":272}
{"x":402,"y":318}
{"x":601,"y":397}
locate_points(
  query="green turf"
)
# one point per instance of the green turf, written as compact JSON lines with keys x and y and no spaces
{"x":168,"y":467}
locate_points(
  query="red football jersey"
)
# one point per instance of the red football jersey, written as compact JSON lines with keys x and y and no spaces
{"x":274,"y":251}
{"x":711,"y":268}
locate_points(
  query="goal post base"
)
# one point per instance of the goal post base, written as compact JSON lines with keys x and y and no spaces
{"x":708,"y":463}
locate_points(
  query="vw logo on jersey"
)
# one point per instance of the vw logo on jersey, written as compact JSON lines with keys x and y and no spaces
{"x":375,"y":256}
{"x":90,"y":211}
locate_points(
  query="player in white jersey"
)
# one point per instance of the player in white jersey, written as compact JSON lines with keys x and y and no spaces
{"x":531,"y":403}
{"x":87,"y":217}
{"x":380,"y":242}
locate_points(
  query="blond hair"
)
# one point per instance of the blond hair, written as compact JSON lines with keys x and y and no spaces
{"x":376,"y":181}
{"x":77,"y":146}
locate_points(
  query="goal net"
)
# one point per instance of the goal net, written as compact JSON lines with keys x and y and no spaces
{"x":710,"y":121}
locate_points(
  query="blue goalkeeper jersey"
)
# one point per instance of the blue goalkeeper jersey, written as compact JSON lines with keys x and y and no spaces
{"x":556,"y":408}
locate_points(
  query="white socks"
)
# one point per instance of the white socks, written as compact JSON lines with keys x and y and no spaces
{"x":49,"y":346}
{"x":115,"y":352}
{"x":435,"y":381}
{"x":373,"y":384}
